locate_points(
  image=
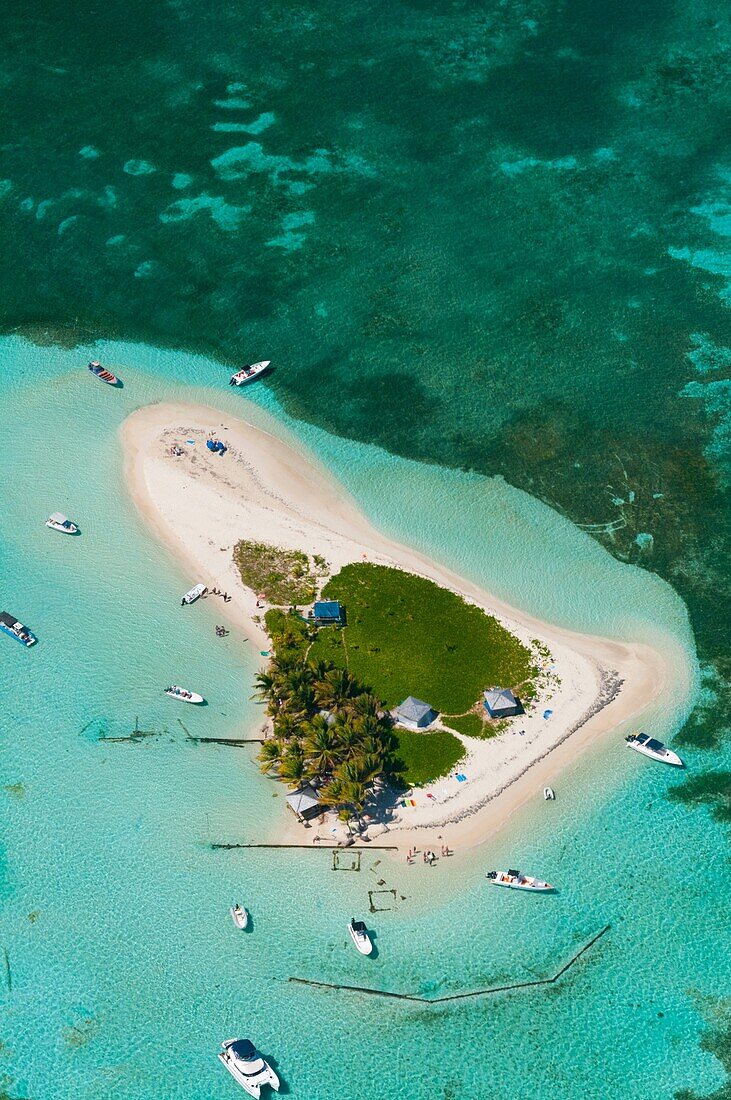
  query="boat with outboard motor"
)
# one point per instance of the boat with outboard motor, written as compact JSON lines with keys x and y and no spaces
{"x":359,"y":936}
{"x":239,"y":915}
{"x":59,"y":522}
{"x":102,"y":374}
{"x":194,"y":594}
{"x":176,"y":692}
{"x":515,"y":881}
{"x":656,"y":750}
{"x":10,"y":626}
{"x":246,"y":1065}
{"x":248,"y":374}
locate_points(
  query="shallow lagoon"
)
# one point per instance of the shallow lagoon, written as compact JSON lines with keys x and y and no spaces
{"x":125,"y":969}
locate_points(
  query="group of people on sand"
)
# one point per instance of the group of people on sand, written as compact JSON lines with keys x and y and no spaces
{"x":221,"y":632}
{"x":224,"y":595}
{"x":175,"y":450}
{"x":428,"y":856}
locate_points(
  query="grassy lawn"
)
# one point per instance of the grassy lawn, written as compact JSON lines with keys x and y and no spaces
{"x":472,"y":725}
{"x":286,"y":576}
{"x":426,"y":756}
{"x":407,"y":636}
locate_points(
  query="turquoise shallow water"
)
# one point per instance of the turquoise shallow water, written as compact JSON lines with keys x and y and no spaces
{"x":124,"y":969}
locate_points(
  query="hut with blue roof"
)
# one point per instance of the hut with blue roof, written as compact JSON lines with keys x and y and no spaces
{"x":328,"y":613}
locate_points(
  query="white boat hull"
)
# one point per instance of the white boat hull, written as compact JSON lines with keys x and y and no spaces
{"x":194,"y":594}
{"x":361,"y":940}
{"x":68,"y":529}
{"x":243,"y":377}
{"x":189,"y":697}
{"x":240,"y":916}
{"x":548,"y":794}
{"x":521,"y":882}
{"x":667,"y":757}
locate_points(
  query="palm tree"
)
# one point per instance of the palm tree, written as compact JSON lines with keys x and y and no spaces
{"x":286,"y":726}
{"x":270,"y":754}
{"x":320,"y":745}
{"x":264,"y":682}
{"x":336,"y":687}
{"x":292,"y":766}
{"x":332,"y":793}
{"x":347,"y":737}
{"x":365,"y":705}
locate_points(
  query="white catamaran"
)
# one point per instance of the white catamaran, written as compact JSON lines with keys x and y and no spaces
{"x":246,"y":1065}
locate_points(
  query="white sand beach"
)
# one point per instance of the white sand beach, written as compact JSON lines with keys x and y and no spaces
{"x":200,"y":504}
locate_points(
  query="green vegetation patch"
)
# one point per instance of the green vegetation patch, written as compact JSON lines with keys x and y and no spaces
{"x":287,"y":577}
{"x":423,"y":757}
{"x":407,"y":636}
{"x":472,"y":725}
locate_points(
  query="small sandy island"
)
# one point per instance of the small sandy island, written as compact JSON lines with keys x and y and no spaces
{"x":200,"y":504}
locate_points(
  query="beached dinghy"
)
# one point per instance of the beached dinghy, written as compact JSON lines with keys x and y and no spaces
{"x":359,"y":936}
{"x":656,"y":750}
{"x":248,"y":374}
{"x":515,"y":881}
{"x":246,"y":1065}
{"x":176,"y":692}
{"x":194,"y":594}
{"x":548,"y":794}
{"x":10,"y":625}
{"x":105,"y":375}
{"x":239,"y":915}
{"x":59,"y":522}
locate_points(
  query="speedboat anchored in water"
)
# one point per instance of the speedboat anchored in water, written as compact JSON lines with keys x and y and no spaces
{"x":239,"y":915}
{"x":648,"y":746}
{"x":248,"y":374}
{"x":60,"y":522}
{"x":515,"y":881}
{"x":246,"y":1065}
{"x":104,"y":375}
{"x":359,"y":936}
{"x":10,"y":625}
{"x":176,"y":692}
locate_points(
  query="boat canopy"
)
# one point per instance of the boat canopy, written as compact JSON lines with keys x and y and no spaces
{"x":514,"y":874}
{"x":58,"y":517}
{"x":656,"y":746}
{"x":243,"y":1048}
{"x":8,"y":620}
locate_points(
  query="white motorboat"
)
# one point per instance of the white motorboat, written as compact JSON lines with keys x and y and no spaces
{"x":648,"y":746}
{"x":176,"y":692}
{"x":549,"y":794}
{"x":246,"y":1065}
{"x":515,"y":881}
{"x":239,"y":915}
{"x":359,"y":936}
{"x":194,"y":594}
{"x":59,"y":522}
{"x":248,"y":374}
